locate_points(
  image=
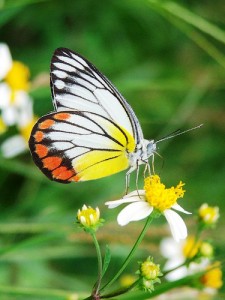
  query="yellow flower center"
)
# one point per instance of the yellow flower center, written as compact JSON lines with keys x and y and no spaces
{"x":149,"y":270}
{"x":191,"y":247}
{"x":213,"y":277}
{"x":2,"y":126}
{"x":127,"y":280}
{"x":159,"y":196}
{"x":18,"y":76}
{"x":209,"y":214}
{"x":88,"y":216}
{"x":26,"y":130}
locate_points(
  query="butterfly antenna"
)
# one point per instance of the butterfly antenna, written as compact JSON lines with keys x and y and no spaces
{"x":177,"y":132}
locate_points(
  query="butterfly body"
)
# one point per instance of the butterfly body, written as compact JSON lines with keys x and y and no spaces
{"x":93,"y":132}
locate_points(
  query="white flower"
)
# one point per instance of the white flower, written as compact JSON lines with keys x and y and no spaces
{"x":5,"y":60}
{"x":141,"y":204}
{"x":176,"y":256}
{"x":16,"y":105}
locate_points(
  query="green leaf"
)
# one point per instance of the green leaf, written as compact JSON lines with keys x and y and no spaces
{"x":107,"y":260}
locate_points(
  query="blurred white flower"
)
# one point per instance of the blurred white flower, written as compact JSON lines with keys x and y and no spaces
{"x":5,"y":60}
{"x":16,"y":106}
{"x":177,"y":253}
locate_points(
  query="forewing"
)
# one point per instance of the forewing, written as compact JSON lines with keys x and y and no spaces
{"x":77,"y":85}
{"x":76,"y":146}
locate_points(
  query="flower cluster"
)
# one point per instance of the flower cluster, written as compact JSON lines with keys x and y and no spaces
{"x":149,"y":274}
{"x":16,"y":106}
{"x":194,"y":255}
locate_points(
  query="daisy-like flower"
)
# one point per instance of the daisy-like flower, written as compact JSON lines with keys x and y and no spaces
{"x":177,"y":253}
{"x":16,"y":105}
{"x":154,"y":197}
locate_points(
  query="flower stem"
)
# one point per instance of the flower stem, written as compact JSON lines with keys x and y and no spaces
{"x":99,"y":257}
{"x":127,"y":260}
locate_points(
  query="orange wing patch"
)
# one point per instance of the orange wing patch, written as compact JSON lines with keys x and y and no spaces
{"x":63,"y":173}
{"x":61,"y":116}
{"x":39,"y":135}
{"x":46,"y":124}
{"x":52,"y":162}
{"x":41,"y":150}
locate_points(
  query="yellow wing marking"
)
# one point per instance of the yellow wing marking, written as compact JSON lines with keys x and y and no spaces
{"x":96,"y":164}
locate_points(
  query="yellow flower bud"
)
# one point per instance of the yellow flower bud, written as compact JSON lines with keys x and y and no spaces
{"x":208,"y":214}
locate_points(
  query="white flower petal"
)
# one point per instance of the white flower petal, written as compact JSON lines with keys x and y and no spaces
{"x":179,"y":208}
{"x":177,"y":225}
{"x":176,"y":274}
{"x":13,"y":146}
{"x":10,"y":116}
{"x":25,"y":114}
{"x":135,"y":193}
{"x":171,"y":249}
{"x":5,"y":60}
{"x":5,"y":95}
{"x":134,"y":212}
{"x":115,"y":203}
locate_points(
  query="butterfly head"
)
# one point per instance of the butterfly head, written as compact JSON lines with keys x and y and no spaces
{"x":151,"y":148}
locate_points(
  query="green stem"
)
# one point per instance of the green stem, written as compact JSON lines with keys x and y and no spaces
{"x":127,"y":260}
{"x":99,"y":256}
{"x":121,"y":291}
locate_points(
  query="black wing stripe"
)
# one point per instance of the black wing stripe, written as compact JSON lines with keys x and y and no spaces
{"x":86,"y":71}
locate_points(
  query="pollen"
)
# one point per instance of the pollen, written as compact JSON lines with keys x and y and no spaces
{"x":158,"y":196}
{"x":18,"y":77}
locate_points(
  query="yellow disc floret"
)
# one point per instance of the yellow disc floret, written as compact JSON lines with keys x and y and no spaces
{"x":159,"y":196}
{"x":208,"y":214}
{"x":191,"y":247}
{"x":18,"y":77}
{"x":2,"y":126}
{"x":213,"y":276}
{"x":88,"y":216}
{"x":149,"y":270}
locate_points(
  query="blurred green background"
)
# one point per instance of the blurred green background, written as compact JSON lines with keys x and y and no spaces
{"x":167,"y":59}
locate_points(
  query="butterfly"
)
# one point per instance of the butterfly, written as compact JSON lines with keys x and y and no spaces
{"x":93,"y":131}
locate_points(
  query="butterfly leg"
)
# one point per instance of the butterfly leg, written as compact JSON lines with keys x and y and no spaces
{"x":147,"y":168}
{"x":153,"y":160}
{"x":128,"y":178}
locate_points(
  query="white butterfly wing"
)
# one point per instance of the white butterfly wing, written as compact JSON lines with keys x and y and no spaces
{"x":77,"y":85}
